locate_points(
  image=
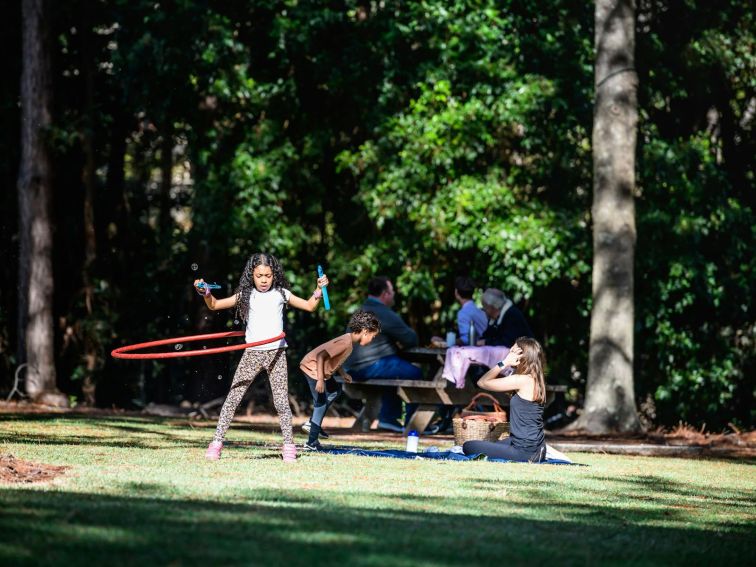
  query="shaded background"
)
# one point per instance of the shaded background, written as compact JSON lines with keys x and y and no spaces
{"x":420,"y":140}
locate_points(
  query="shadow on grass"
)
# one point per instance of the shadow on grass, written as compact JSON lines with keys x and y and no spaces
{"x":175,"y":442}
{"x":135,"y":431}
{"x":649,"y":489}
{"x":643,"y":488}
{"x":325,"y":527}
{"x":167,"y":442}
{"x":119,"y":432}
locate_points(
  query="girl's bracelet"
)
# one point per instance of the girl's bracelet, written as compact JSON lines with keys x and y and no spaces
{"x":317,"y":294}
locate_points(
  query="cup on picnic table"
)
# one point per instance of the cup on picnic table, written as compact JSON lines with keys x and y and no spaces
{"x":451,"y":338}
{"x":438,"y":342}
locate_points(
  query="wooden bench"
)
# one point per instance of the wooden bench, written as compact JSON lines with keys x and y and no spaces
{"x":428,"y":394}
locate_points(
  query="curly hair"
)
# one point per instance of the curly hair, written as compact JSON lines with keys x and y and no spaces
{"x":364,"y":321}
{"x":246,"y":281}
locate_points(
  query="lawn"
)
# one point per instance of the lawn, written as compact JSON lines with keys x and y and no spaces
{"x":139,"y":492}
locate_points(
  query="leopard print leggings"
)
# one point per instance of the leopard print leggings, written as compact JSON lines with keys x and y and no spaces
{"x":250,"y":365}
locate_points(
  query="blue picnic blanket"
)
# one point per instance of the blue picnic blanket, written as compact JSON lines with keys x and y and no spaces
{"x":436,"y":455}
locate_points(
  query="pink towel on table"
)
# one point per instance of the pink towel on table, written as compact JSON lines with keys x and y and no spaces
{"x":459,"y":358}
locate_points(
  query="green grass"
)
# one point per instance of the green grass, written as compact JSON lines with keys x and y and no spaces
{"x":140,"y":493}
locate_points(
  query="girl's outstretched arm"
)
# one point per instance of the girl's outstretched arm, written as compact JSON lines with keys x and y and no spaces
{"x":215,"y":304}
{"x":312,"y":303}
{"x":225,"y":303}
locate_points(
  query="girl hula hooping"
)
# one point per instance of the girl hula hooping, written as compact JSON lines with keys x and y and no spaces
{"x":259,"y":301}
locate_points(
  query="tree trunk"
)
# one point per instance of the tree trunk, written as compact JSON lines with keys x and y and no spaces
{"x":35,"y":195}
{"x":90,"y":240}
{"x":610,"y":398}
{"x":116,"y":209}
{"x":166,"y":181}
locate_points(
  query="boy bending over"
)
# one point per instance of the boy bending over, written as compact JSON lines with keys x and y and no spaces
{"x":321,"y":362}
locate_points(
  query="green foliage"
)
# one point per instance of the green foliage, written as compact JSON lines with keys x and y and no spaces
{"x":417,"y":139}
{"x":696,"y":224}
{"x":463,"y":179}
{"x":697,"y":296}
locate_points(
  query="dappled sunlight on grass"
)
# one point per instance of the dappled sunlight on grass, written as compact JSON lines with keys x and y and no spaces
{"x":135,"y":484}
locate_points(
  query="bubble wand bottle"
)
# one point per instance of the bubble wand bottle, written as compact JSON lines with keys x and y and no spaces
{"x":326,"y":301}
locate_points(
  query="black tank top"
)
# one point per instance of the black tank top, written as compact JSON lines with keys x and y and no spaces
{"x":526,"y":424}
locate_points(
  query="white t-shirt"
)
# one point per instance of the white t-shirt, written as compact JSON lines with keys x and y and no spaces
{"x":265,"y":317}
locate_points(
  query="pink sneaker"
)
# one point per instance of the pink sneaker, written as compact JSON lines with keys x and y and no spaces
{"x":214,"y":450}
{"x":289,"y":452}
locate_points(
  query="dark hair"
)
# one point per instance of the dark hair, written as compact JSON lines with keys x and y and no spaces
{"x":465,"y":287}
{"x":377,"y":285}
{"x":247,"y":284}
{"x":364,"y":321}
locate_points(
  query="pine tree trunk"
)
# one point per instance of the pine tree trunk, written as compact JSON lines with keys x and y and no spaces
{"x":116,"y":208}
{"x":90,"y":240}
{"x":165,"y":222}
{"x":34,"y":195}
{"x":610,"y":398}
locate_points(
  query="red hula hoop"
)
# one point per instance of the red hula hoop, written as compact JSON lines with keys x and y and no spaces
{"x":121,"y":352}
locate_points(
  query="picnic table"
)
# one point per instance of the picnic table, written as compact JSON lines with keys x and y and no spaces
{"x":429,"y":393}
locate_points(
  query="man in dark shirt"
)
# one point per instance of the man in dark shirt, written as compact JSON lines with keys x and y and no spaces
{"x":379,"y":359}
{"x":506,"y":323}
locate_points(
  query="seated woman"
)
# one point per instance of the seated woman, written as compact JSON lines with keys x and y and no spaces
{"x":506,"y":321}
{"x":526,"y":441}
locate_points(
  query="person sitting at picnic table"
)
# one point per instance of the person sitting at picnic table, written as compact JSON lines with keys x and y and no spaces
{"x":379,"y":359}
{"x":506,"y":322}
{"x":469,"y":313}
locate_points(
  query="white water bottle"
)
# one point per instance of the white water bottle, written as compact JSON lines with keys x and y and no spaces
{"x":412,"y":440}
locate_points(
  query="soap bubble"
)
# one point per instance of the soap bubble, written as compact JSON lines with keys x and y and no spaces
{"x":204,"y":348}
{"x":220,"y":377}
{"x":195,"y":267}
{"x":179,"y":346}
{"x":236,"y":321}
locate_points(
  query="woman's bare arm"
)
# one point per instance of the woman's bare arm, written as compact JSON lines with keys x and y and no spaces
{"x":491,"y":381}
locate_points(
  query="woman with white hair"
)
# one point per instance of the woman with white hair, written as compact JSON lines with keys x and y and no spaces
{"x":505,"y":321}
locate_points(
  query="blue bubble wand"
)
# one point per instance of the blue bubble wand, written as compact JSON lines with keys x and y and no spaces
{"x":326,"y":301}
{"x":203,"y":285}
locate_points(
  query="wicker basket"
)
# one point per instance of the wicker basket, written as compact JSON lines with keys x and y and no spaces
{"x":498,"y":413}
{"x":481,"y":426}
{"x":474,"y":429}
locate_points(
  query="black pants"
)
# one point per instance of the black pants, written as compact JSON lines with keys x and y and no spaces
{"x":504,"y":450}
{"x":322,"y":402}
